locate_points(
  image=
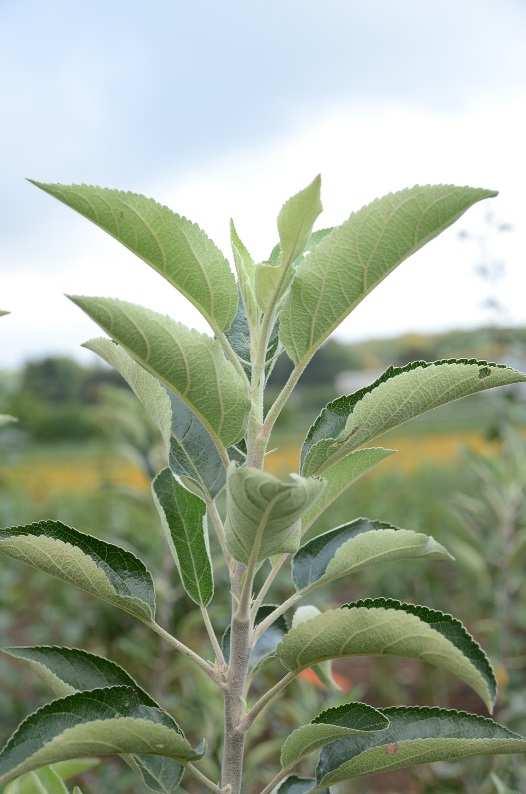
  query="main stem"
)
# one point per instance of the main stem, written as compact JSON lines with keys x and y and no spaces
{"x":242,"y":579}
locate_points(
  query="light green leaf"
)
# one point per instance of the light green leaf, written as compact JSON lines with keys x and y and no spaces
{"x":102,"y":722}
{"x":109,"y":572}
{"x":69,"y":670}
{"x":183,"y":518}
{"x":340,"y":476}
{"x":64,"y":769}
{"x":182,"y":359}
{"x":400,"y":394}
{"x":77,"y":790}
{"x":270,"y":280}
{"x":46,"y":781}
{"x":5,"y":419}
{"x":359,"y":254}
{"x":415,"y":736}
{"x":324,"y":669}
{"x":263,"y":512}
{"x":334,"y":723}
{"x":296,"y":219}
{"x":174,"y":246}
{"x":246,"y":274}
{"x":387,"y":627}
{"x":356,"y":545}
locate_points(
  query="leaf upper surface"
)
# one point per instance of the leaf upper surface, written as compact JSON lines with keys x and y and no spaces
{"x":415,"y":736}
{"x":353,"y":546}
{"x":400,"y":394}
{"x":359,"y":254}
{"x":387,"y":627}
{"x":174,"y":246}
{"x":189,"y":363}
{"x":183,"y":518}
{"x":102,"y":569}
{"x":331,"y":724}
{"x":263,"y":512}
{"x":101,"y":722}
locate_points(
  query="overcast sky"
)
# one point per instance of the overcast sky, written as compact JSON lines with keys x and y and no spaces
{"x":224,"y":109}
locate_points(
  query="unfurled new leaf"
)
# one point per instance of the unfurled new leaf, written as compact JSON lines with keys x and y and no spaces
{"x":174,"y":246}
{"x":109,"y":572}
{"x":354,"y":546}
{"x":69,"y":670}
{"x":359,"y":254}
{"x":387,"y":627}
{"x":400,"y":394}
{"x":340,"y":476}
{"x":263,"y":512}
{"x":189,"y":363}
{"x":183,"y":518}
{"x":334,"y":723}
{"x":103,"y":722}
{"x":415,"y":736}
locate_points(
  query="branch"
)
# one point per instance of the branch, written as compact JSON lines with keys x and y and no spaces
{"x":185,"y":650}
{"x":264,"y":700}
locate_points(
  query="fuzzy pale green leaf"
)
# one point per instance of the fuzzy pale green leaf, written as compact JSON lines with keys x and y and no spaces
{"x":107,"y":571}
{"x":357,"y":545}
{"x":296,"y":219}
{"x":415,"y":736}
{"x":263,"y":512}
{"x":400,"y":394}
{"x":387,"y":627}
{"x":183,"y":518}
{"x":246,"y":274}
{"x":183,"y":359}
{"x":103,"y":722}
{"x":174,"y":246}
{"x":334,"y":723}
{"x":359,"y":254}
{"x":340,"y":476}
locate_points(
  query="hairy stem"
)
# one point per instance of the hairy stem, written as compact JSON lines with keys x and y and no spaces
{"x":220,"y":659}
{"x":278,"y":612}
{"x":184,"y":649}
{"x":203,"y":778}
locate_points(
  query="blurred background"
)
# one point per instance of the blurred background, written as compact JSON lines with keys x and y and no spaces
{"x":224,"y":110}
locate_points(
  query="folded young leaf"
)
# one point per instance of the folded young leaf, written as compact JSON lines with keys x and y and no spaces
{"x":174,"y":246}
{"x":190,"y":449}
{"x":359,"y":254}
{"x":415,"y":736}
{"x":70,"y":670}
{"x":331,"y":724}
{"x":387,"y":627}
{"x":296,"y":219}
{"x":103,"y":722}
{"x":183,"y":518}
{"x":400,"y":394}
{"x":246,"y":275}
{"x":263,"y":512}
{"x":354,"y":546}
{"x":109,"y":572}
{"x":266,"y":645}
{"x":341,"y":476}
{"x":183,"y":359}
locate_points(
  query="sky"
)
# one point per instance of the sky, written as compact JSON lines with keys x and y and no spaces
{"x":226,"y":109}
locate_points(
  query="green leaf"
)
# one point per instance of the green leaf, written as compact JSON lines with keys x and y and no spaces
{"x":174,"y":246}
{"x":324,"y":669}
{"x":102,"y":722}
{"x":5,"y":419}
{"x":340,"y":476}
{"x":415,"y":736}
{"x":265,"y":647}
{"x":69,"y":670}
{"x":387,"y":627}
{"x":190,"y":363}
{"x":238,"y":336}
{"x":297,"y":785}
{"x":295,"y":223}
{"x":46,"y":781}
{"x":183,"y":518}
{"x":400,"y":394}
{"x":109,"y":572}
{"x":334,"y":723}
{"x":65,"y":770}
{"x":359,"y":254}
{"x":263,"y":512}
{"x":246,"y":275}
{"x":296,"y":219}
{"x":356,"y":545}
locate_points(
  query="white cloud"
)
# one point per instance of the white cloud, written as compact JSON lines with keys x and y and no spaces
{"x":362,"y":152}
